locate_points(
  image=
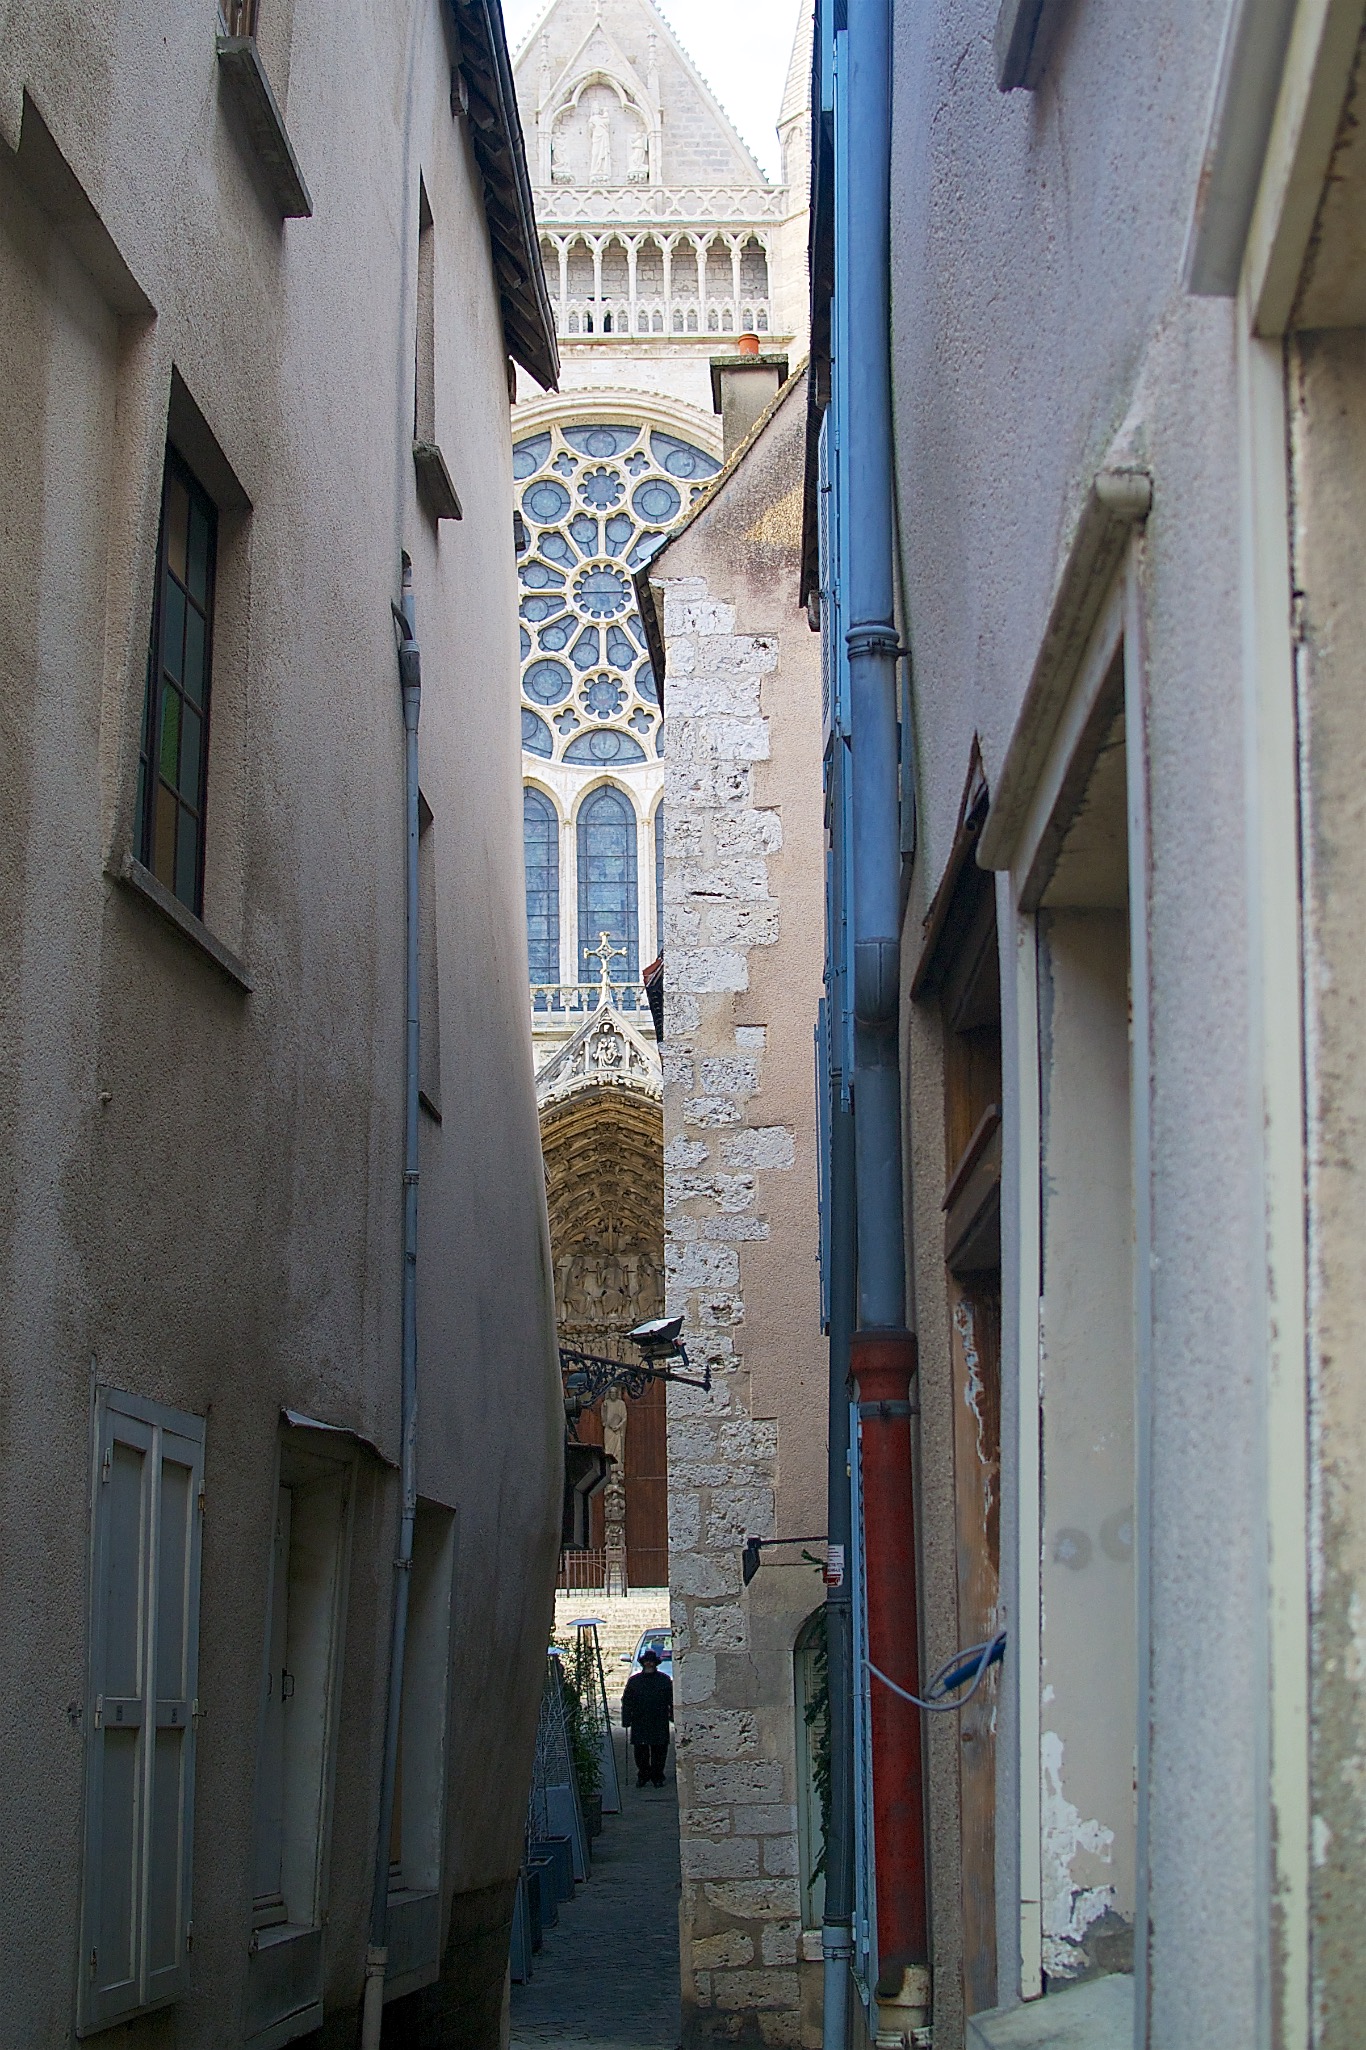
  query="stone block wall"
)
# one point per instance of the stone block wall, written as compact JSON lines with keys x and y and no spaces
{"x":742,"y":976}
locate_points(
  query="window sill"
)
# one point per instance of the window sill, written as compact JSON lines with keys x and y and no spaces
{"x":239,"y":62}
{"x":427,"y":1104}
{"x":142,"y":883}
{"x":434,"y":486}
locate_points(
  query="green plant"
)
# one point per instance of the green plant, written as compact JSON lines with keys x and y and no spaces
{"x":577,"y":1682}
{"x":816,"y":1714}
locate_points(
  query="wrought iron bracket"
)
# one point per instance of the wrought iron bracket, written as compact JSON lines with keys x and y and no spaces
{"x":588,"y":1376}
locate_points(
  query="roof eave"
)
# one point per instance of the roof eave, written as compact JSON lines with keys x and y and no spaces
{"x":496,"y":133}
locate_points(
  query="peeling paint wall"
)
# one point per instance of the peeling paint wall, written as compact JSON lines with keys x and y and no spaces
{"x":1328,"y":419}
{"x":1088,"y":1719}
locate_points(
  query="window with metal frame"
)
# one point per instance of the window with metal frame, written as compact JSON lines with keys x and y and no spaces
{"x":174,"y":760}
{"x":607,"y":880}
{"x":141,"y":1709}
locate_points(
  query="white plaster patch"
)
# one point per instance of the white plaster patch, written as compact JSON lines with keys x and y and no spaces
{"x":1068,"y":1910}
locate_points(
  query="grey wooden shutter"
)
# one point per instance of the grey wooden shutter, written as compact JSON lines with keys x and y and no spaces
{"x":144,"y":1642}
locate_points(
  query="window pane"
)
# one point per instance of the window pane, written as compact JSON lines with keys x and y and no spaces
{"x":187,"y":859}
{"x":173,"y":630}
{"x":191,"y":744}
{"x":541,"y":837}
{"x":163,"y":842}
{"x":607,"y":883}
{"x":194,"y":656}
{"x":659,"y":876}
{"x":177,"y":516}
{"x":198,"y":563}
{"x":169,"y":752}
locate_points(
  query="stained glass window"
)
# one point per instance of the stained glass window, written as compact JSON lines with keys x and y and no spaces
{"x":541,"y":840}
{"x":595,"y":502}
{"x":173,"y":764}
{"x":659,"y":876}
{"x":607,"y":883}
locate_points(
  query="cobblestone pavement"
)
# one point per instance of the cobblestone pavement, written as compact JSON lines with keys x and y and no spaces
{"x":608,"y":1972}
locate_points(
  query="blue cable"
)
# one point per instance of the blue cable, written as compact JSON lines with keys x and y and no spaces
{"x":970,"y":1664}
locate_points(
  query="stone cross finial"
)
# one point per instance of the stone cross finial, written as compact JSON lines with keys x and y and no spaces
{"x":604,"y":953}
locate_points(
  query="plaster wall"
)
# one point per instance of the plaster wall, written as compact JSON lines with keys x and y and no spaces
{"x":202,"y":1185}
{"x":1039,"y":321}
{"x":1328,"y":444}
{"x":1089,"y":1715}
{"x":743,"y":883}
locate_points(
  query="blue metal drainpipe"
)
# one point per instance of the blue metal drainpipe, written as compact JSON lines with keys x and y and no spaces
{"x":871,"y":639}
{"x":377,"y":1958}
{"x":882,"y":1350}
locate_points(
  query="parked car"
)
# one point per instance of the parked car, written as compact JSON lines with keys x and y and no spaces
{"x":661,"y":1641}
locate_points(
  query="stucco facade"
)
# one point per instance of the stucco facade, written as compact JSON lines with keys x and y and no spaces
{"x":1127,"y":355}
{"x":743,"y":880}
{"x":202,"y":1095}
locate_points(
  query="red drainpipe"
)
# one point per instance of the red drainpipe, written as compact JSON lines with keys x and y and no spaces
{"x":883,"y":1364}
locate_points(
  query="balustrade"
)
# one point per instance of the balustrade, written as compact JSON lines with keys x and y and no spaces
{"x":680,"y":316}
{"x":685,"y":284}
{"x":568,"y":999}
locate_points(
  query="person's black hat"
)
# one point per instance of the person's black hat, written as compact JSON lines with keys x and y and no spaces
{"x":650,"y":1656}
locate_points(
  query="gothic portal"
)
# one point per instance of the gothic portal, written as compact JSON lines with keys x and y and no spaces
{"x":663,"y":242}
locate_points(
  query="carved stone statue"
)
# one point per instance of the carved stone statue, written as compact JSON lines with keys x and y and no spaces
{"x":599,"y":149}
{"x":638,"y":166}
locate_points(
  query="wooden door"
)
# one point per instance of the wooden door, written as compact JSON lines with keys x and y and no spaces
{"x":647,"y":1489}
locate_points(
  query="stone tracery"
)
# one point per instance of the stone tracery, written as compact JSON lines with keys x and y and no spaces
{"x":595,"y":501}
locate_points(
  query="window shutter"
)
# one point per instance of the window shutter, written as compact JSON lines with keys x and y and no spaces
{"x":144,"y":1625}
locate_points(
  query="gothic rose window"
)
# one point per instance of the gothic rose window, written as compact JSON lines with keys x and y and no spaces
{"x":595,"y":502}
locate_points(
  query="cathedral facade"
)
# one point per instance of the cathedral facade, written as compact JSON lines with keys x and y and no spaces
{"x":663,"y":243}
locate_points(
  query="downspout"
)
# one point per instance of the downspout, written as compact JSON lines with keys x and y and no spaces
{"x":377,"y":1956}
{"x":837,"y":1933}
{"x":882,"y":1351}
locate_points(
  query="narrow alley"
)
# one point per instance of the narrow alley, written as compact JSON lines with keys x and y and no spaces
{"x":607,"y":1972}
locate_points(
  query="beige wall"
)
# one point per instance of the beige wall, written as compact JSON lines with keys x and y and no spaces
{"x":202,"y":1186}
{"x":743,"y":890}
{"x":1328,"y":428}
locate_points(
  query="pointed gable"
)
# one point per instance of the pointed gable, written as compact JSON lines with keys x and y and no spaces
{"x":606,"y":1052}
{"x":629,"y":42}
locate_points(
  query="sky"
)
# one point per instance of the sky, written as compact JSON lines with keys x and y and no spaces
{"x":741,"y":48}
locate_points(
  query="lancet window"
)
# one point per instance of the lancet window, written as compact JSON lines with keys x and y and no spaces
{"x":607,"y":882}
{"x":541,"y":841}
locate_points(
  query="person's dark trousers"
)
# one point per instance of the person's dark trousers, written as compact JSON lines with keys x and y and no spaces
{"x":650,"y":1763}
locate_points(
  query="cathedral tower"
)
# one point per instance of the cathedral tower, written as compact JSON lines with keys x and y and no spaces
{"x":663,"y":242}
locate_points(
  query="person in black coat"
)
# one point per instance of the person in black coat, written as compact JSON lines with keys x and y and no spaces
{"x":647,"y":1708}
